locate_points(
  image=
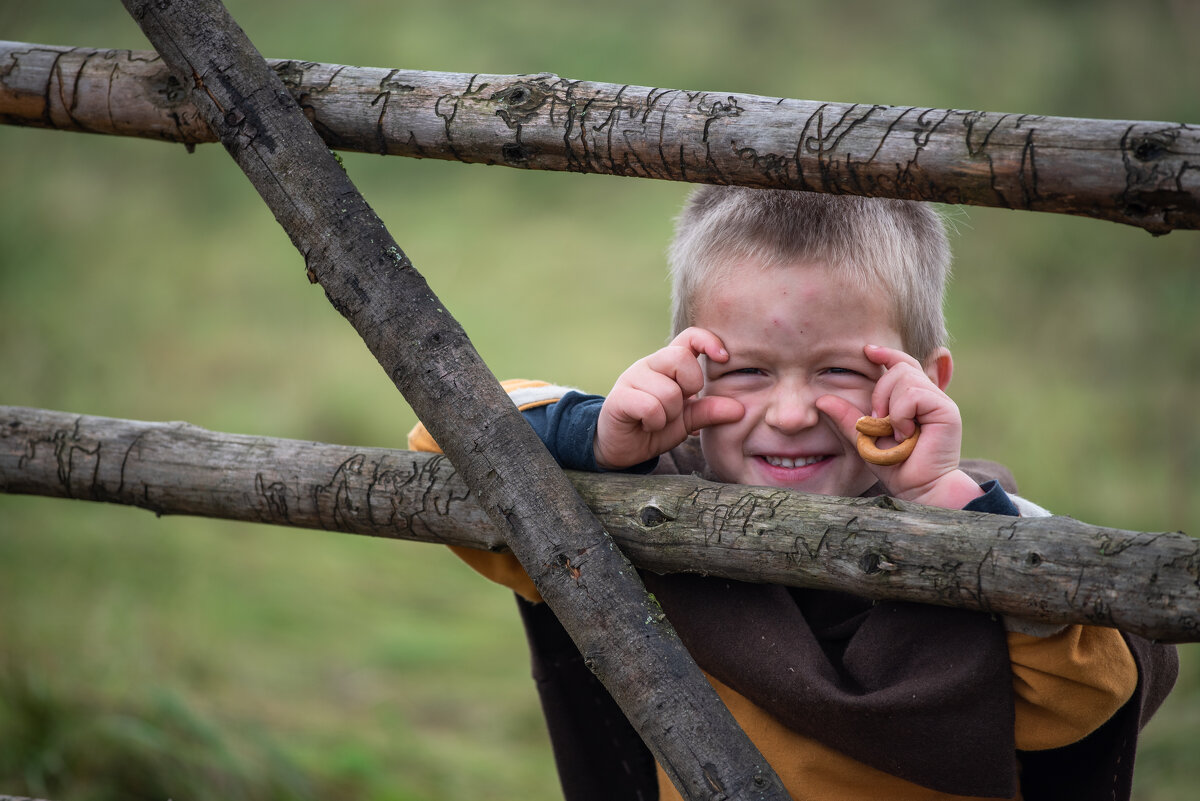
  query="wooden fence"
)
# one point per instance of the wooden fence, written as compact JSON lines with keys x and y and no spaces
{"x":269,"y":116}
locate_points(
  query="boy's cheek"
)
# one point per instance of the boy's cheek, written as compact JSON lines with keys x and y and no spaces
{"x":721,"y":446}
{"x":716,"y":386}
{"x":862,"y":481}
{"x":859,"y":400}
{"x":859,"y":396}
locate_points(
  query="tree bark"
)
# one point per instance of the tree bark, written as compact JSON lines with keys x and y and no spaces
{"x":1138,"y":173}
{"x":586,"y":580}
{"x":1055,"y":570}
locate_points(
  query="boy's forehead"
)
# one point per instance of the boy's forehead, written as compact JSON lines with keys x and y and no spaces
{"x":749,"y":277}
{"x":783,"y":297}
{"x":749,"y":267}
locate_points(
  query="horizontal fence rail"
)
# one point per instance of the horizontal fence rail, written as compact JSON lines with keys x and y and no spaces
{"x":1140,"y":173}
{"x":1053,"y":569}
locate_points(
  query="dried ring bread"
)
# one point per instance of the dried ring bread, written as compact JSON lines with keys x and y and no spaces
{"x":871,"y":427}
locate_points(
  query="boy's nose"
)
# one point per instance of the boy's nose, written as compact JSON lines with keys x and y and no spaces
{"x":792,"y":411}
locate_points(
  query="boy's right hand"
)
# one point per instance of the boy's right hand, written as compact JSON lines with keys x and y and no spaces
{"x":654,"y":405}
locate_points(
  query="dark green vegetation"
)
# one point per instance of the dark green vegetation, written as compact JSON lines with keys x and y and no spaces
{"x":144,"y":657}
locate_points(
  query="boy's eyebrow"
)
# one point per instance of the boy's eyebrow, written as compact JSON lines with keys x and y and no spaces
{"x":754,"y":351}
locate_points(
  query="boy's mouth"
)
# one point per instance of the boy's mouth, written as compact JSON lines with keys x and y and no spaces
{"x":783,"y":461}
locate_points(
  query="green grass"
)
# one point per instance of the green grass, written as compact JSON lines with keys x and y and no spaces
{"x":146,"y":657}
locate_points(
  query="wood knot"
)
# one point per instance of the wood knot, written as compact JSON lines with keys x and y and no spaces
{"x":874,"y":563}
{"x":515,"y":152}
{"x":522,"y":97}
{"x":652,"y":516}
{"x":1151,"y":146}
{"x":519,"y":104}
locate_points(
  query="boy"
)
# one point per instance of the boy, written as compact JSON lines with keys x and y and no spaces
{"x":795,"y":314}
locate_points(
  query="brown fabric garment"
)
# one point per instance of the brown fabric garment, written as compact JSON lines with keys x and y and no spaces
{"x":923,"y":693}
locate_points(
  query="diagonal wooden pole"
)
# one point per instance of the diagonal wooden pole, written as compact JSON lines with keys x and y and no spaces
{"x":587,"y":582}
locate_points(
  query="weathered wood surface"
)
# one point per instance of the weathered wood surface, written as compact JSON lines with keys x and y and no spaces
{"x":586,"y":580}
{"x":1052,"y":569}
{"x":1139,"y":173}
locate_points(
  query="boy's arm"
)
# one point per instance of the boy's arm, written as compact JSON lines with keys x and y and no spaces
{"x":538,"y":402}
{"x":567,"y":427}
{"x":1067,"y":685}
{"x":1067,"y":680}
{"x":565,"y":420}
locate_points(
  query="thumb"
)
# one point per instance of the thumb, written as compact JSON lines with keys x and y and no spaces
{"x":713,"y":410}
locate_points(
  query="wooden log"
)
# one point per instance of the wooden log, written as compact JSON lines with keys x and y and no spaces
{"x":1134,"y":172}
{"x":589,"y":584}
{"x":1048,"y":569}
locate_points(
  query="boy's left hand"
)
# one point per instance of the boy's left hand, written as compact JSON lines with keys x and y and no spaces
{"x":910,"y":397}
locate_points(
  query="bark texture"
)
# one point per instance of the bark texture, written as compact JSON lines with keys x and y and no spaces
{"x":1050,"y":569}
{"x":1145,"y":174}
{"x":581,"y":574}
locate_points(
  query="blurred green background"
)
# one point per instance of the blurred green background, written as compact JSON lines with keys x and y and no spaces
{"x":181,"y":658}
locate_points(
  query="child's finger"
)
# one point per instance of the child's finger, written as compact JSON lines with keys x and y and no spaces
{"x":641,"y":409}
{"x":702,"y":342}
{"x":921,"y":402}
{"x":842,"y":412}
{"x":668,"y":392}
{"x":678,"y":364}
{"x":713,"y":410}
{"x":890,"y":357}
{"x":901,"y":371}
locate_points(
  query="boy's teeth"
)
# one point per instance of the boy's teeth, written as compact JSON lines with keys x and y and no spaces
{"x":781,"y":461}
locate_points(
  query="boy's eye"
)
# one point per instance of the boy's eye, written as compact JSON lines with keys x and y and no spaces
{"x":739,"y":372}
{"x":844,"y":374}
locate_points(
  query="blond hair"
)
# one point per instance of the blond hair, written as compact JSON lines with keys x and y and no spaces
{"x":898,"y":245}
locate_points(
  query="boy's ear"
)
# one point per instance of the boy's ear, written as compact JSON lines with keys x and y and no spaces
{"x":940,"y":368}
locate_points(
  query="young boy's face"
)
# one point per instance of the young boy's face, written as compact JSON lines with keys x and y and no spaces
{"x":794,"y":334}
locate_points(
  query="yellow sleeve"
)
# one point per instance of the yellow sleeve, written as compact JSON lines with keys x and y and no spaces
{"x":1068,"y":684}
{"x":502,"y":568}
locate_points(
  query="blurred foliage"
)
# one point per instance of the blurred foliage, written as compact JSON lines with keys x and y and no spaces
{"x":210,"y":659}
{"x":64,"y":745}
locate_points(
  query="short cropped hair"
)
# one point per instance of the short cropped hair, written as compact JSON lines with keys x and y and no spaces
{"x":898,"y":245}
